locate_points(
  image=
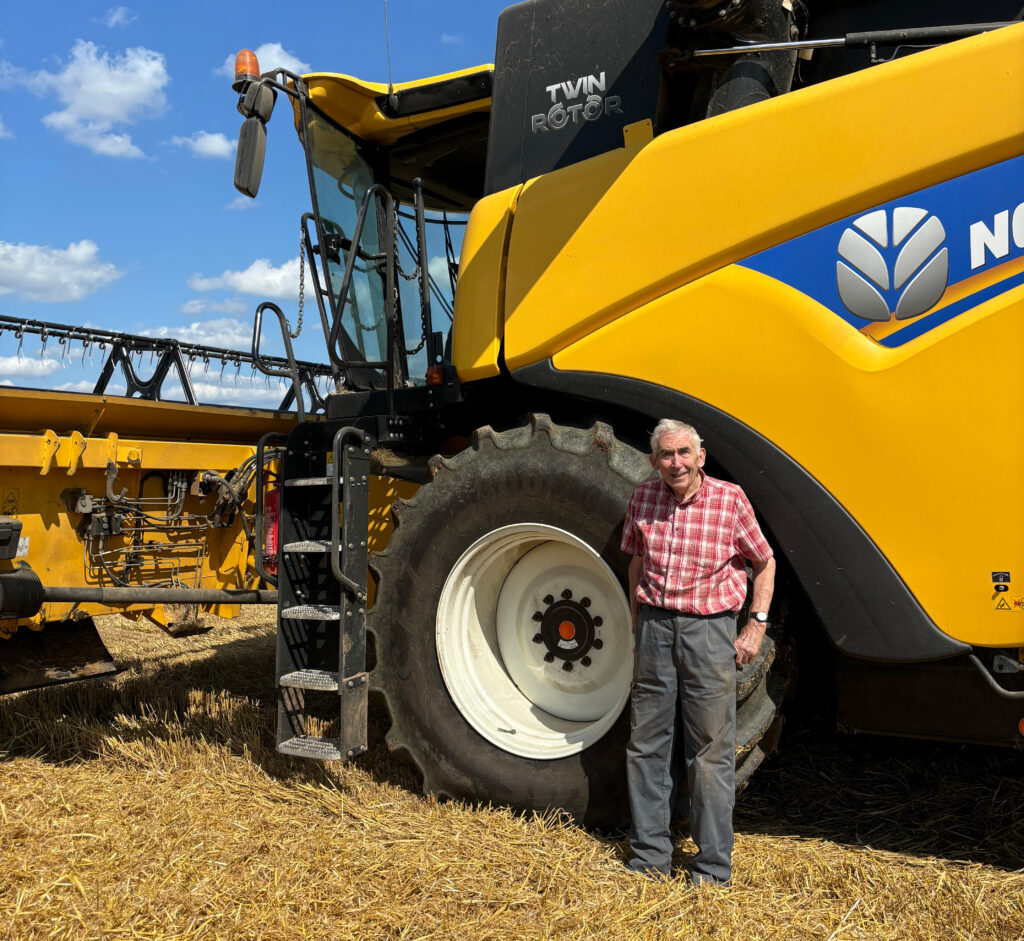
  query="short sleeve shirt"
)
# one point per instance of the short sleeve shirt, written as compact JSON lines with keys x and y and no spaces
{"x":694,"y":552}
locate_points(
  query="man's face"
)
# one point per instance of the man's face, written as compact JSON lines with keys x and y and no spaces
{"x":678,"y":462}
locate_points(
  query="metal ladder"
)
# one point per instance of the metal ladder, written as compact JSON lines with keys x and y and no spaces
{"x":321,"y":615}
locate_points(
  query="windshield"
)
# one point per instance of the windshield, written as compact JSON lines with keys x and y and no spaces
{"x":341,"y":178}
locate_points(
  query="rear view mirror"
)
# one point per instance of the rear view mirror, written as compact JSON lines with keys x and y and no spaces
{"x":252,"y":148}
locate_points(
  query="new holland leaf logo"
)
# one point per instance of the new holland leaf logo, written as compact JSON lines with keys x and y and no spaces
{"x":892,"y":267}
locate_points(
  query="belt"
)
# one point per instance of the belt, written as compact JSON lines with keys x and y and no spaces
{"x":671,"y":612}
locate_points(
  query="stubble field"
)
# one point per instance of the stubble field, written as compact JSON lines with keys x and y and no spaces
{"x":153,"y":805}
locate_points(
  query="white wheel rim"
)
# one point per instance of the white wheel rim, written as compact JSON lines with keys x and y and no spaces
{"x":492,"y":662}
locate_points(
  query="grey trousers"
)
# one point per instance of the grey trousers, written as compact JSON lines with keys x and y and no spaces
{"x":693,"y":659}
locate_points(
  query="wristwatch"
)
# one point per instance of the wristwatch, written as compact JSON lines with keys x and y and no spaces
{"x":760,"y":616}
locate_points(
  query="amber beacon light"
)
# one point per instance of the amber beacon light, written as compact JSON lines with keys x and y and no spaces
{"x":247,"y":69}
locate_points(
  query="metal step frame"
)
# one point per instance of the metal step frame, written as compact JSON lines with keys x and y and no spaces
{"x":321,"y":624}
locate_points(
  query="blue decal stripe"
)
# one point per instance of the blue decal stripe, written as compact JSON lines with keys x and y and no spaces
{"x":929,"y":321}
{"x":808,"y":262}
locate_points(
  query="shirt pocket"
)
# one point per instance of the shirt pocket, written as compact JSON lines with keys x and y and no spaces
{"x":658,"y":536}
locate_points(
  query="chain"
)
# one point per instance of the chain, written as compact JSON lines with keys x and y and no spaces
{"x":302,"y":283}
{"x":416,"y":275}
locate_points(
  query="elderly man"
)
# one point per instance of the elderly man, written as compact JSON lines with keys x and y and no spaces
{"x":690,"y":536}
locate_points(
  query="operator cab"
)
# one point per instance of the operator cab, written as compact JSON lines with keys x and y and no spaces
{"x":381,"y":161}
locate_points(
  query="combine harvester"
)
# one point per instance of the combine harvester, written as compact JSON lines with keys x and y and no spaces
{"x":764,"y":216}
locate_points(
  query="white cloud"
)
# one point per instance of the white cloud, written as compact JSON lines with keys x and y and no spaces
{"x":27,"y":366}
{"x":448,"y":38}
{"x":204,"y":144}
{"x":225,"y":333}
{"x":120,"y":16}
{"x":240,"y":203}
{"x":83,"y":385}
{"x":100,"y":91}
{"x":438,"y":269}
{"x":197,"y":306}
{"x":4,"y":133}
{"x":6,"y":382}
{"x":41,"y":273}
{"x":271,"y":55}
{"x":260,"y":279}
{"x":87,"y":385}
{"x":254,"y":393}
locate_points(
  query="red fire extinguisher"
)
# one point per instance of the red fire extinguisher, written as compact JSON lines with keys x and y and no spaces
{"x":271,"y":518}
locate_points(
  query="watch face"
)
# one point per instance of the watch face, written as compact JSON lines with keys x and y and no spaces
{"x":761,"y":616}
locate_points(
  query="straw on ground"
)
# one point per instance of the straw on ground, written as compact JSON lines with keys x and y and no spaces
{"x":153,"y":805}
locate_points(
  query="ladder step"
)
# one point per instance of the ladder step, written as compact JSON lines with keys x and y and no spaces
{"x":312,"y":612}
{"x":308,"y":482}
{"x":311,"y":679}
{"x":308,"y":746}
{"x":308,"y":545}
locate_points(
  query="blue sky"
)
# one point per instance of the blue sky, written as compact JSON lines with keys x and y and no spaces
{"x":117,"y":138}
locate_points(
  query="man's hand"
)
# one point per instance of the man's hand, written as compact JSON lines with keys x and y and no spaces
{"x":748,"y":644}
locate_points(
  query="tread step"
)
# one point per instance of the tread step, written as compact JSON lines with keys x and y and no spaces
{"x":312,"y":612}
{"x":308,"y":482}
{"x":308,"y":545}
{"x":311,"y":679}
{"x":308,"y":746}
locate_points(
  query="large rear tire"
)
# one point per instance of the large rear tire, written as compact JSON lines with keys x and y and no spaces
{"x":502,"y":627}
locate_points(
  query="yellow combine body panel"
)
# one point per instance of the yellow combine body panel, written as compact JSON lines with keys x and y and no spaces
{"x":661,"y":296}
{"x":583,"y":252}
{"x":888,"y":432}
{"x":356,"y":104}
{"x":479,"y":303}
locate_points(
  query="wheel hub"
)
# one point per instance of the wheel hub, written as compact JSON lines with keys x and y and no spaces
{"x":567,"y":629}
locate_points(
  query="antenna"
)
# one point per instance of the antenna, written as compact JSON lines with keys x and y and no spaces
{"x":392,"y":97}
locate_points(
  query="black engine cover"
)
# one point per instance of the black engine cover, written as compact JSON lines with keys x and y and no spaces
{"x":568,"y":76}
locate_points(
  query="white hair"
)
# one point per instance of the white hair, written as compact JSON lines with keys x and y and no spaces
{"x":669,"y":426}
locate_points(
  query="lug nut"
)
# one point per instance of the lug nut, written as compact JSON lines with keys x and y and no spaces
{"x":549,"y":657}
{"x":549,"y":599}
{"x":586,"y":661}
{"x":598,"y":621}
{"x":538,"y":638}
{"x":537,"y":616}
{"x":567,"y":594}
{"x":567,"y":666}
{"x":585,"y":602}
{"x":598,"y":643}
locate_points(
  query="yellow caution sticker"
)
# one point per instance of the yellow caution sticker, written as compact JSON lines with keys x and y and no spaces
{"x":1002,"y":604}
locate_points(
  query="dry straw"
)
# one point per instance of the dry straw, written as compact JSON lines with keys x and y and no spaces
{"x":153,"y":805}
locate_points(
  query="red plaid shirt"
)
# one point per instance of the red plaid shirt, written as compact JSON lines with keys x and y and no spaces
{"x":693,"y":552}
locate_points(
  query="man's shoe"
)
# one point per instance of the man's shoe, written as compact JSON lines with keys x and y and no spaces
{"x":700,"y":878}
{"x":643,"y":869}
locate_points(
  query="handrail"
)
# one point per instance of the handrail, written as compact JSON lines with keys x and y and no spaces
{"x":339,"y":438}
{"x":292,"y":372}
{"x":350,"y":263}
